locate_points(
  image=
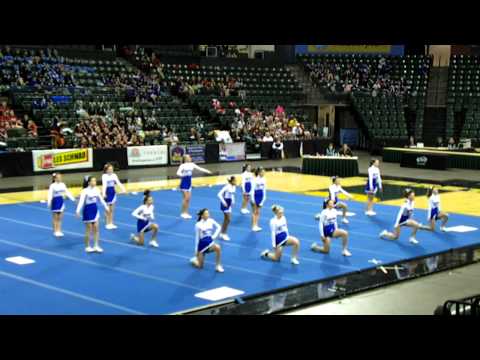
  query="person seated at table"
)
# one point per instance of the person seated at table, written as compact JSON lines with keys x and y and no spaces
{"x":330,"y":150}
{"x":411,"y":142}
{"x":345,"y":151}
{"x":277,"y":149}
{"x":451,"y":144}
{"x":440,"y":143}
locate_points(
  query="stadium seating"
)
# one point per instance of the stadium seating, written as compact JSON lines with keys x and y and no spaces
{"x":382,"y":111}
{"x":463,"y":102}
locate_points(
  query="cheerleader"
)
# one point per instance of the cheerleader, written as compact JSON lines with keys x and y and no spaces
{"x":56,"y":194}
{"x":204,"y":240}
{"x":109,"y":181}
{"x":247,"y":179}
{"x":227,"y":199}
{"x":185,"y":171}
{"x":434,"y":213}
{"x":144,"y":215}
{"x":281,"y":237}
{"x":404,"y":218}
{"x":258,"y":195}
{"x":334,"y":190}
{"x":89,"y":197}
{"x":329,"y":229}
{"x":374,"y":184}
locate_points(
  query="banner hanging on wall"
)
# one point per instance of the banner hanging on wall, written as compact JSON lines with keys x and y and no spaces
{"x":232,"y":152}
{"x":62,"y":159}
{"x":197,"y":153}
{"x":147,"y":155}
{"x":350,"y":49}
{"x":176,"y":154}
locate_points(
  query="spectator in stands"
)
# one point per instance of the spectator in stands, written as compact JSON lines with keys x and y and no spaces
{"x":32,"y":129}
{"x":345,"y":151}
{"x":330,"y":151}
{"x":277,"y":149}
{"x":267,"y":138}
{"x":451,"y":144}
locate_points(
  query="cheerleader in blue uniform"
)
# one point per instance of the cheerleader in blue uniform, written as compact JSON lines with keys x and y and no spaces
{"x":247,"y":180}
{"x":109,"y":181}
{"x":333,"y":191}
{"x":329,"y":229}
{"x":88,"y":207}
{"x":56,"y":194}
{"x":281,"y":237}
{"x":374,"y":184}
{"x":205,"y":234}
{"x":227,"y":199}
{"x":258,"y":196}
{"x":185,"y":173}
{"x":434,"y":213}
{"x":144,"y":215}
{"x":404,"y":218}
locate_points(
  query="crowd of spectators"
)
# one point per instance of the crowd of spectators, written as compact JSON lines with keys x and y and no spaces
{"x":8,"y":120}
{"x":373,"y":79}
{"x":254,"y":125}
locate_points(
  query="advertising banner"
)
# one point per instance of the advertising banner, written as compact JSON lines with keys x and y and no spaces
{"x":62,"y":159}
{"x":176,"y":154}
{"x":147,"y":155}
{"x":232,"y":152}
{"x":197,"y":152}
{"x":350,"y":49}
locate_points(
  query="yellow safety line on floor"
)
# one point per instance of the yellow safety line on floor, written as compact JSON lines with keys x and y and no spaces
{"x":457,"y":200}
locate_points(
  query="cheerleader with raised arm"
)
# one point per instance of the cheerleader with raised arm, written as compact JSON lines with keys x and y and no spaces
{"x":281,"y":237}
{"x":88,"y":207}
{"x":109,"y":182}
{"x":206,"y":231}
{"x":185,"y":171}
{"x":144,"y":215}
{"x":333,"y":191}
{"x":56,"y":195}
{"x":227,"y":199}
{"x":247,"y":180}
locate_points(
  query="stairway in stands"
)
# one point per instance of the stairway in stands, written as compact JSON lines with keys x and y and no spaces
{"x":437,"y":86}
{"x":313,"y":94}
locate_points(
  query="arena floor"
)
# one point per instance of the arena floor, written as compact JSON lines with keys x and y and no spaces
{"x":127,"y":279}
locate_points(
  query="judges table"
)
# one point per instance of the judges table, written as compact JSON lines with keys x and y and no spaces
{"x":330,"y":166}
{"x":432,"y":158}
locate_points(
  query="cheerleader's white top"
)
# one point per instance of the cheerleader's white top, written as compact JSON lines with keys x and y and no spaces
{"x":58,"y":189}
{"x":205,"y":228}
{"x":90,"y":195}
{"x":278,"y":226}
{"x":328,"y":220}
{"x":227,"y":192}
{"x":110,"y":180}
{"x":144,"y":212}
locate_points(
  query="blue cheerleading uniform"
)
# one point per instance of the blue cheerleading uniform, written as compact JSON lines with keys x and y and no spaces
{"x":374,"y":182}
{"x":205,"y":235}
{"x":279,"y":231}
{"x":109,"y":181}
{"x":247,"y":180}
{"x":144,"y":215}
{"x":333,"y":192}
{"x":328,"y":222}
{"x":89,"y":199}
{"x":405,"y":213}
{"x":433,"y":207}
{"x":227,"y":198}
{"x":185,"y":172}
{"x":56,"y":194}
{"x":259,"y":191}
